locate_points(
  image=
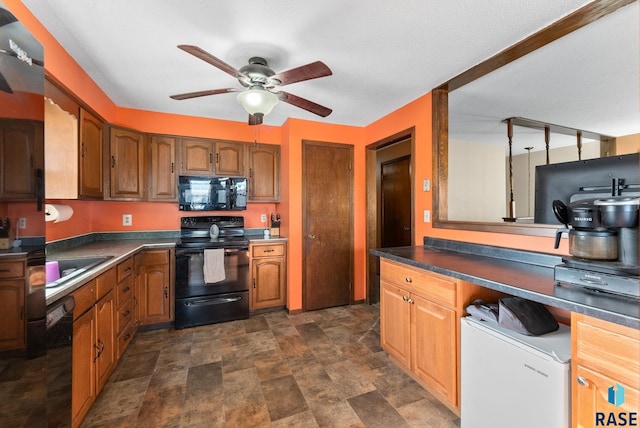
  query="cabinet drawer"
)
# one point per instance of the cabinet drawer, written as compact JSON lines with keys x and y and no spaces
{"x":429,"y":285}
{"x":12,"y":269}
{"x":124,"y":316}
{"x":155,"y":257}
{"x":609,"y":348}
{"x":125,"y":291}
{"x":85,"y":298}
{"x":105,"y":283}
{"x":125,"y":269}
{"x":274,"y":250}
{"x":124,"y":338}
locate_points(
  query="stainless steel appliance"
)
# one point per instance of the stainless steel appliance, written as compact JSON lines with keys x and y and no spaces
{"x":197,"y":301}
{"x":212,"y":193}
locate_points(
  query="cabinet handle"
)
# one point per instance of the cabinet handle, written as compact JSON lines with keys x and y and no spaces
{"x":172,"y":168}
{"x":210,"y":157}
{"x":408,"y":279}
{"x":218,"y":158}
{"x":410,"y":301}
{"x":127,"y":337}
{"x":405,"y":298}
{"x":269,"y":251}
{"x":166,"y":292}
{"x":127,"y":288}
{"x":113,"y":162}
{"x":126,"y":313}
{"x":99,"y":348}
{"x":135,"y":301}
{"x":84,"y":150}
{"x":254,"y":283}
{"x":250,"y":172}
{"x":582,"y":381}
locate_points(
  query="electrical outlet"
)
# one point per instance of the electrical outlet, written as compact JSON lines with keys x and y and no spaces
{"x":426,"y":185}
{"x":263,"y":218}
{"x":22,"y":223}
{"x":127,"y":220}
{"x":427,"y":216}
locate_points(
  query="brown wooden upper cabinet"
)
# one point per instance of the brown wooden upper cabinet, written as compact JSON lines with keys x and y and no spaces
{"x":127,"y":164}
{"x":264,"y":173}
{"x":196,"y":156}
{"x":229,"y":159}
{"x":91,"y":182}
{"x":21,"y":155}
{"x":199,"y":156}
{"x":162,"y":168}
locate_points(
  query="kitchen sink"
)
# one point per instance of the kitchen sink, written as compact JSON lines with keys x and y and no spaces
{"x":72,"y":267}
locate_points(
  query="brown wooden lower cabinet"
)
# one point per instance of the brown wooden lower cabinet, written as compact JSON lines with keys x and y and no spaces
{"x":419,"y":324}
{"x":155,"y":286}
{"x":12,"y":304}
{"x":603,"y":356}
{"x":268,"y":276}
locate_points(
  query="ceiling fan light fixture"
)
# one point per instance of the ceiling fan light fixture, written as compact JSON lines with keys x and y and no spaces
{"x":257,"y":100}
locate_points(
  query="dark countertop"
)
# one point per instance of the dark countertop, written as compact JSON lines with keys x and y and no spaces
{"x":118,"y":249}
{"x":117,"y":245}
{"x":515,"y":272}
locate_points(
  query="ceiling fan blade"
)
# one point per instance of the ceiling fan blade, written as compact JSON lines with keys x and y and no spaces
{"x":207,"y":57}
{"x":256,"y":119}
{"x":305,"y":72}
{"x":188,"y":95}
{"x":304,"y":104}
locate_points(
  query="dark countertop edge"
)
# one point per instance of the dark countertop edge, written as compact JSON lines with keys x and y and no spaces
{"x":522,"y":256}
{"x":573,"y":306}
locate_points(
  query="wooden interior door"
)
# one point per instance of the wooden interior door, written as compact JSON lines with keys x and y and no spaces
{"x":396,"y":202}
{"x":327,"y":191}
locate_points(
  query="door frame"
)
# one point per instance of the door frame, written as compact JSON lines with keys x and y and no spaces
{"x":372,"y":218}
{"x":306,"y":143}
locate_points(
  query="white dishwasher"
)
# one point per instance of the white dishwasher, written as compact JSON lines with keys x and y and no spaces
{"x":512,"y":380}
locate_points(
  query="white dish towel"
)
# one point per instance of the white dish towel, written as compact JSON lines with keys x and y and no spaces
{"x":214,"y":265}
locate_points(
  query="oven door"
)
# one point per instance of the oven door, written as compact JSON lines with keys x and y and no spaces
{"x":190,"y":273}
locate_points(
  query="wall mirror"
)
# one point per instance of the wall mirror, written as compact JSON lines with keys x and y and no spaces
{"x":580,"y":73}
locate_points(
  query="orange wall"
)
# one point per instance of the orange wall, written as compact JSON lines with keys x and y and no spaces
{"x":295,"y":131}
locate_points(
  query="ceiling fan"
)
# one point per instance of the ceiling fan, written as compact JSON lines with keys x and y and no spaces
{"x":262,"y":84}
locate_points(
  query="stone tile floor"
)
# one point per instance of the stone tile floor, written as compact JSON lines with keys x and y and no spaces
{"x":317,"y":369}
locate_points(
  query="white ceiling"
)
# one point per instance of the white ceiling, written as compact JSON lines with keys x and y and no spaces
{"x":383,"y":54}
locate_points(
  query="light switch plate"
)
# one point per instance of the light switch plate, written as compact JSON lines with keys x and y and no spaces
{"x":427,"y":216}
{"x":426,"y":185}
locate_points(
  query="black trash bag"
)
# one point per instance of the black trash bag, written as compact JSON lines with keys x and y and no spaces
{"x":525,"y":317}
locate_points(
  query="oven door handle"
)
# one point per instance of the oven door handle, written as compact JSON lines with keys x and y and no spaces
{"x":234,"y":250}
{"x":214,"y":301}
{"x":227,"y":251}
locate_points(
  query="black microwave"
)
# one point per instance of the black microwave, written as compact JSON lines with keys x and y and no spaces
{"x":212,"y":193}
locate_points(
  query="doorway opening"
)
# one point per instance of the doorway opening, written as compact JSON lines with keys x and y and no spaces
{"x":390,"y":222}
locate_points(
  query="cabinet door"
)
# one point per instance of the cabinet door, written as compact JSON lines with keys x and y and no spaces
{"x":162,"y":168}
{"x":196,"y":157}
{"x":105,"y":339}
{"x":127,"y":164}
{"x":83,"y":389}
{"x":12,"y":321}
{"x":433,"y":346}
{"x":395,"y":323}
{"x":91,"y":156}
{"x":590,"y":399}
{"x":154,"y":294}
{"x":268,"y":283}
{"x":229,"y":158}
{"x":264,"y":173}
{"x":18,"y":159}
